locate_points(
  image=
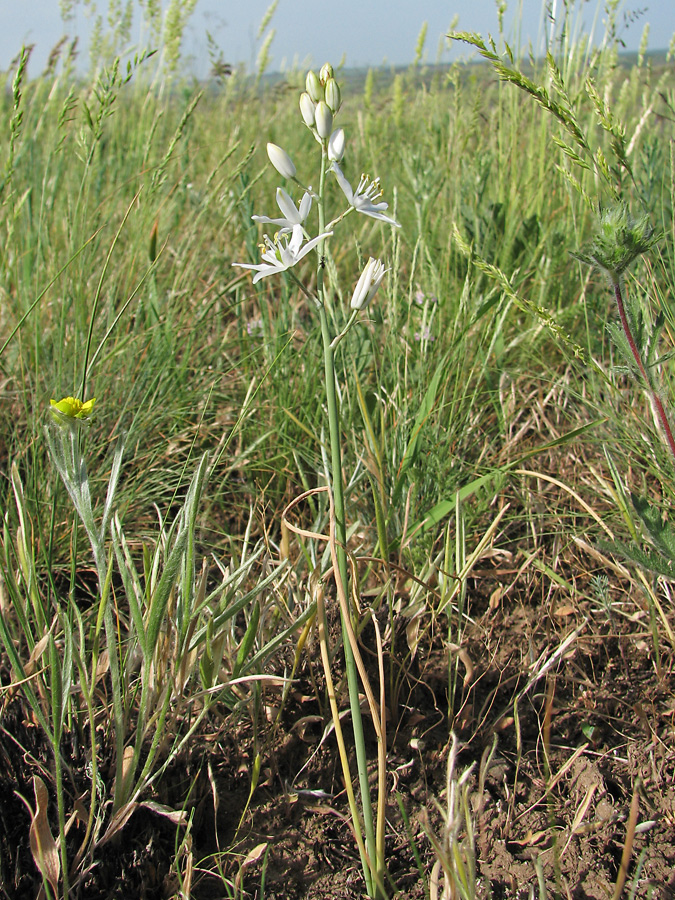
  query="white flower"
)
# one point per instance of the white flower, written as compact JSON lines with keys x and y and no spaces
{"x":292,"y":215}
{"x":336,"y":145}
{"x":362,"y":198}
{"x":368,"y":283}
{"x":283,"y":253}
{"x":281,"y":161}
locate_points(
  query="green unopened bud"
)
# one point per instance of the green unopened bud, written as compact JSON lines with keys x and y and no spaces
{"x":333,"y":95}
{"x":281,"y":161}
{"x":326,"y":73}
{"x":619,"y":242}
{"x":313,"y":86}
{"x":307,"y":109}
{"x":324,"y":120}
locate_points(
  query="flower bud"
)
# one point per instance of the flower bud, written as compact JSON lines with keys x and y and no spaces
{"x":619,"y":242}
{"x":281,"y":161}
{"x":307,"y":109}
{"x":336,"y":145}
{"x":324,"y":120}
{"x":325,"y":73}
{"x":333,"y":95}
{"x":313,"y":86}
{"x":368,"y":283}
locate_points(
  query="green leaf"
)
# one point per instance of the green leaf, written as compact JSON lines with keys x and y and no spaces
{"x":413,"y":448}
{"x":652,"y":562}
{"x":247,"y":643}
{"x":659,"y":530}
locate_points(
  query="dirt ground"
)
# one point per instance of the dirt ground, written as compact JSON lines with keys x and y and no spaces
{"x":570,"y":687}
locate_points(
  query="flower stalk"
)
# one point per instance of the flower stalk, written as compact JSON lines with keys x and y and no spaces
{"x":656,"y":400}
{"x":335,"y":436}
{"x":319,"y":106}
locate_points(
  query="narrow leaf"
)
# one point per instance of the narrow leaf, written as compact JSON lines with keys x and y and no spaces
{"x":42,"y":843}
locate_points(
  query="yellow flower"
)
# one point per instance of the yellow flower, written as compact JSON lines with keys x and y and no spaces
{"x":71,"y":408}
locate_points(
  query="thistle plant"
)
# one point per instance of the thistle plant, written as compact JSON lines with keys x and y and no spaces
{"x":320,"y":104}
{"x":618,"y":242}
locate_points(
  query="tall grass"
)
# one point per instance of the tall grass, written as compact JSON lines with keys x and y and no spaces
{"x":126,"y":196}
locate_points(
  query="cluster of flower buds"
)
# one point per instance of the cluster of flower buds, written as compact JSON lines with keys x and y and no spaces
{"x":319,"y":104}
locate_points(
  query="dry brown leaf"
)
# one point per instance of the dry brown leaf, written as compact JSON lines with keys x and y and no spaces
{"x":36,"y":653}
{"x":563,"y":611}
{"x":466,"y":661}
{"x":532,"y":838}
{"x":42,"y":843}
{"x":102,"y":665}
{"x":412,"y":632}
{"x":434,"y":880}
{"x":118,"y":821}
{"x":127,"y":761}
{"x":177,"y":816}
{"x":253,"y":857}
{"x":187,"y":874}
{"x":302,"y":725}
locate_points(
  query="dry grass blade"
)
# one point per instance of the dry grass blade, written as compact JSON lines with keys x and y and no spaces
{"x":628,"y":843}
{"x":582,"y":503}
{"x":376,"y":867}
{"x":253,"y":856}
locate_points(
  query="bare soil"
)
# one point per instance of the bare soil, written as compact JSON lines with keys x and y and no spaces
{"x":571,"y":688}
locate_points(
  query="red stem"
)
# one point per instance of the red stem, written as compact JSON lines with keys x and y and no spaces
{"x":660,"y":411}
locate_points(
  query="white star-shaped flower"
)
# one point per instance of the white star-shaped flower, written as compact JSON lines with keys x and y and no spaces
{"x":283,"y":253}
{"x":292,"y":215}
{"x":362,"y":199}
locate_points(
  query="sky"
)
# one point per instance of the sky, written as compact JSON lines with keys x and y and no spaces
{"x":309,"y":32}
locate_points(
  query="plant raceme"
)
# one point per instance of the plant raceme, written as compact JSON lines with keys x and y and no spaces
{"x":319,"y":105}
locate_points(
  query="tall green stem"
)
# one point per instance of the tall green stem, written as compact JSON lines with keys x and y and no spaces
{"x":341,"y":534}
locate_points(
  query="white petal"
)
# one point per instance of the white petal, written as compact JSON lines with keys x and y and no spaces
{"x":336,"y":145}
{"x":265,"y":220}
{"x":288,"y":208}
{"x":344,"y":184}
{"x":305,"y":205}
{"x":296,"y":239}
{"x":311,"y":244}
{"x":281,"y":160}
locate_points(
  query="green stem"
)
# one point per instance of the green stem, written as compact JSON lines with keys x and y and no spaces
{"x":341,"y":535}
{"x":58,"y":773}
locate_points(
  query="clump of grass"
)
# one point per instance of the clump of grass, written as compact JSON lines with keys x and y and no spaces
{"x":157,"y":638}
